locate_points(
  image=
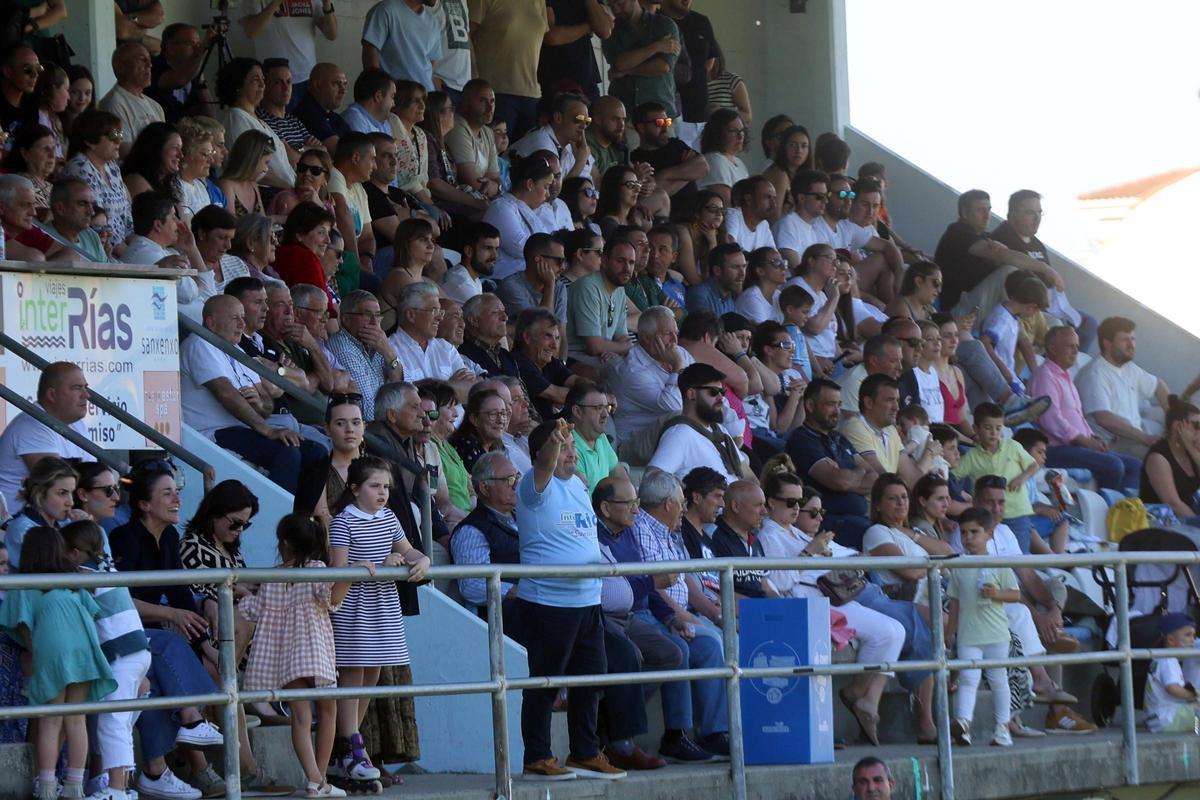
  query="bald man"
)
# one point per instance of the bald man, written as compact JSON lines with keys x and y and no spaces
{"x":745,"y":509}
{"x":128,"y":99}
{"x":318,"y":109}
{"x":606,"y":134}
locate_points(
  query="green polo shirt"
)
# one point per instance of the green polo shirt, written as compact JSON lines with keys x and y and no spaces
{"x":633,"y":90}
{"x":594,"y":464}
{"x":611,"y":156}
{"x":1009,"y":461}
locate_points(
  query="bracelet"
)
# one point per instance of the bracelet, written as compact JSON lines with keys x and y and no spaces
{"x":740,"y":355}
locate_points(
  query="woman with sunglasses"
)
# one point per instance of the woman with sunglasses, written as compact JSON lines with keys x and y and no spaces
{"x":701,"y":226}
{"x":618,"y":203}
{"x":240,"y":89}
{"x":580,"y":195}
{"x":98,"y":494}
{"x":249,"y":161}
{"x":793,"y":529}
{"x":1171,"y":472}
{"x":919,"y":290}
{"x":723,"y":141}
{"x":783,"y":385}
{"x":312,"y":183}
{"x":194,"y":165}
{"x":32,"y":157}
{"x":94,"y":157}
{"x":792,"y":153}
{"x":766,"y":274}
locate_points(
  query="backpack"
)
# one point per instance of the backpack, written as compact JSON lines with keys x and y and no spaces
{"x":1125,"y":517}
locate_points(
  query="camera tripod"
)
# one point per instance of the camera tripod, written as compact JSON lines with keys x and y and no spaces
{"x":220,"y":41}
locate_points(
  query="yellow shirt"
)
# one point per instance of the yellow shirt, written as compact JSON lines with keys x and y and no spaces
{"x":509,"y":42}
{"x":1009,"y":461}
{"x":885,"y":444}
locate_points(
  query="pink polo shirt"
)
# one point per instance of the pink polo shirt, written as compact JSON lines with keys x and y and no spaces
{"x":1064,"y":420}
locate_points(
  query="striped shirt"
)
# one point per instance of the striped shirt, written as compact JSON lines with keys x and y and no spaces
{"x":720,"y":91}
{"x":118,"y":627}
{"x":368,"y":628}
{"x":659,"y":543}
{"x":289,"y":128}
{"x":469,"y":546}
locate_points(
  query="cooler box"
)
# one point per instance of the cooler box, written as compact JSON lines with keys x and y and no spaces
{"x":786,"y":720}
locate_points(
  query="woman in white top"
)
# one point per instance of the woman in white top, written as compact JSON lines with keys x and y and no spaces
{"x":722,"y":142}
{"x":925,"y":372}
{"x":194,"y":166}
{"x":513,"y":214}
{"x":766,"y":273}
{"x":240,"y":87}
{"x":892,"y":536}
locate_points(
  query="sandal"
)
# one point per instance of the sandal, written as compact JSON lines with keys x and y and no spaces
{"x":323,"y":790}
{"x":867,"y":725}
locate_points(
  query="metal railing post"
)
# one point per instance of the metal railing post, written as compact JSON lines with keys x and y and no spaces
{"x":427,"y":517}
{"x":1129,"y":717}
{"x":941,"y":694}
{"x":499,"y":700}
{"x":228,"y":662}
{"x":733,"y":692}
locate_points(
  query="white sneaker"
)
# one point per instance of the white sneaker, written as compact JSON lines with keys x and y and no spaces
{"x":109,"y":793}
{"x":96,"y":785}
{"x":1023,"y":731}
{"x":203,"y":735}
{"x":1001,"y":737}
{"x":960,"y":732}
{"x":166,"y":787}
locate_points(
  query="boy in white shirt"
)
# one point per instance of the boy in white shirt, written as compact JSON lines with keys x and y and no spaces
{"x":1170,"y":698}
{"x":1002,"y":335}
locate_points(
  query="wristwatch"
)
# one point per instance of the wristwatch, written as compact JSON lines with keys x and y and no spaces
{"x":395,"y":363}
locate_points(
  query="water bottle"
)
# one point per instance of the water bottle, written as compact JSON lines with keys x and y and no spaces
{"x":3,"y":249}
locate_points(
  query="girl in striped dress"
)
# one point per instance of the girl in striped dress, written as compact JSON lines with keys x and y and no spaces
{"x":368,"y":628}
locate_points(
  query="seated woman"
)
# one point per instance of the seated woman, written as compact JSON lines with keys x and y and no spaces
{"x":415,"y":250}
{"x":722,"y":143}
{"x":94,"y":157}
{"x":53,"y":93}
{"x":248,"y":163}
{"x":412,"y":144}
{"x":305,"y":240}
{"x":932,"y":506}
{"x":194,"y":166}
{"x":792,"y":154}
{"x":152,"y":164}
{"x":922,"y":379}
{"x":240,"y":89}
{"x":482,"y":429}
{"x":792,"y":529}
{"x":766,"y":273}
{"x":618,"y":203}
{"x":312,"y":183}
{"x":32,"y":156}
{"x":580,"y":195}
{"x":98,"y":495}
{"x":581,"y":254}
{"x":783,"y":386}
{"x":456,"y":199}
{"x":701,"y":226}
{"x":955,"y":411}
{"x":460,"y":493}
{"x":48,"y":492}
{"x":1171,"y":472}
{"x":918,"y":292}
{"x":253,"y":249}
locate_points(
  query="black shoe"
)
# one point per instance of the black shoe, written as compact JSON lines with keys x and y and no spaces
{"x":717,"y":744}
{"x":683,"y":751}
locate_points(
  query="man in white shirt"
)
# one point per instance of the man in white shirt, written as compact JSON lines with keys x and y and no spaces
{"x":353,"y":163}
{"x":851,"y":213}
{"x":62,"y":393}
{"x":753,"y":200}
{"x":287,"y":29}
{"x":554,"y":211}
{"x":416,"y":344}
{"x":226,"y":401}
{"x":162,"y":238}
{"x":1125,"y":404}
{"x":470,"y":141}
{"x":128,"y":100}
{"x":700,"y":441}
{"x":795,"y":232}
{"x":565,"y":134}
{"x":647,"y":380}
{"x":479,"y":253}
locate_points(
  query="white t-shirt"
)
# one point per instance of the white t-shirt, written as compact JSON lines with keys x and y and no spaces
{"x":25,"y":436}
{"x":1003,"y":328}
{"x":543,"y":138}
{"x":193,"y":197}
{"x":1121,"y":390}
{"x":454,"y":67}
{"x":823,"y":344}
{"x":1160,"y":706}
{"x":748,"y":240}
{"x":459,"y":286}
{"x":136,"y":112}
{"x":290,"y":34}
{"x":723,"y":170}
{"x":931,"y":394}
{"x":758,"y":413}
{"x":853,"y":237}
{"x":752,"y":305}
{"x":438,"y":360}
{"x":878,"y":535}
{"x":793,"y":233}
{"x":681,"y":449}
{"x":199,"y":363}
{"x":555,"y":215}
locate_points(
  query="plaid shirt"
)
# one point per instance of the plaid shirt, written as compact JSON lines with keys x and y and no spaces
{"x":366,"y":366}
{"x":659,"y":543}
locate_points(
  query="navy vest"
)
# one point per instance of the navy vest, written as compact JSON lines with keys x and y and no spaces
{"x":501,"y":536}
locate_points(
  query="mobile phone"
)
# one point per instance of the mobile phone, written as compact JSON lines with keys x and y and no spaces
{"x":840,"y":356}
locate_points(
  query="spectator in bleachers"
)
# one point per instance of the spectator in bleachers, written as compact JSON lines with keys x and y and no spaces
{"x":194,"y":165}
{"x":470,"y":142}
{"x":537,"y":342}
{"x":71,"y":203}
{"x":353,"y":164}
{"x":994,"y":455}
{"x":520,"y":421}
{"x":240,"y":88}
{"x":874,"y":435}
{"x":956,"y":412}
{"x":882,"y":355}
{"x":564,"y":135}
{"x":567,"y":56}
{"x":388,"y":204}
{"x":597,"y":327}
{"x":514,"y":214}
{"x":688,"y":737}
{"x":554,"y":211}
{"x":1125,"y":402}
{"x":700,"y":44}
{"x":480,"y":250}
{"x":831,"y":155}
{"x":872,"y":780}
{"x":486,"y":322}
{"x":796,"y":230}
{"x":736,"y":536}
{"x":152,"y":164}
{"x":248,"y":163}
{"x":321,"y":487}
{"x":362,"y":347}
{"x":453,"y":198}
{"x":312,"y":183}
{"x":848,"y":221}
{"x":748,"y":221}
{"x":587,"y":409}
{"x":701,"y":228}
{"x":374,"y":96}
{"x":176,"y":83}
{"x":488,"y":534}
{"x":1002,"y":332}
{"x":783,"y":385}
{"x":727,"y":274}
{"x":606,"y":133}
{"x":31,"y":155}
{"x":920,"y":384}
{"x":697,"y":437}
{"x":18,"y":78}
{"x":246,"y":249}
{"x":485,"y":420}
{"x":402,"y":38}
{"x":536,"y":285}
{"x":646,"y":381}
{"x":312,"y":311}
{"x":918,"y":292}
{"x":288,"y":28}
{"x":62,"y":393}
{"x":47,"y":501}
{"x":1073,"y":443}
{"x":792,"y":154}
{"x":620,"y":191}
{"x":642,"y":52}
{"x":415,"y":259}
{"x":817,"y":275}
{"x":83,"y":93}
{"x":318,"y":106}
{"x":128,"y":99}
{"x":724,"y":138}
{"x":94,"y":156}
{"x":305,"y":240}
{"x":422,"y":354}
{"x":162,"y":238}
{"x":654,"y":285}
{"x":766,"y":273}
{"x":676,"y":166}
{"x":827,"y":461}
{"x":507,"y":40}
{"x":1171,"y":474}
{"x":223,"y":400}
{"x":295,"y":341}
{"x":704,"y":493}
{"x":453,"y":327}
{"x":275,"y":105}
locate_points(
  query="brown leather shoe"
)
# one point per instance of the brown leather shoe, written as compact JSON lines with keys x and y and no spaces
{"x":638,"y":759}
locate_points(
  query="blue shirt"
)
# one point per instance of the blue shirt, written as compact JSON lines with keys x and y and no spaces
{"x":707,"y":297}
{"x":408,"y":42}
{"x":799,"y":350}
{"x":807,"y":447}
{"x":359,"y":120}
{"x":557,"y":526}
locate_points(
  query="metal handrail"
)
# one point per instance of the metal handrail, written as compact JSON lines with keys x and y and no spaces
{"x":100,"y":401}
{"x":63,"y":429}
{"x":499,"y":684}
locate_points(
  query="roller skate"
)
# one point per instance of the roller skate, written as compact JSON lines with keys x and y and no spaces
{"x":351,"y":770}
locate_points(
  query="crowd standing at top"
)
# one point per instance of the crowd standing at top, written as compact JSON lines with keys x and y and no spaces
{"x":589,"y":328}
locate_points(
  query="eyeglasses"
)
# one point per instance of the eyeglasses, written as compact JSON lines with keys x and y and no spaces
{"x":711,"y":391}
{"x":33,"y":69}
{"x":375,"y":315}
{"x":556,"y":259}
{"x":777,"y":262}
{"x":511,"y":480}
{"x":584,"y":118}
{"x":236,"y":524}
{"x":437,"y":311}
{"x":632,"y":184}
{"x":844,"y":194}
{"x":817,"y":195}
{"x":663,"y":122}
{"x":786,"y":344}
{"x":433,"y":414}
{"x":109,"y":491}
{"x":715,"y":210}
{"x":736,"y":131}
{"x":815,"y":513}
{"x":115,"y":136}
{"x":499,"y":414}
{"x":634,"y":503}
{"x":791,"y":502}
{"x":316,"y":170}
{"x":589,"y":192}
{"x":324,"y":310}
{"x":606,"y":406}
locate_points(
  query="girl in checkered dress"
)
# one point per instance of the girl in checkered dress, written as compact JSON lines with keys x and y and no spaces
{"x":293,"y":643}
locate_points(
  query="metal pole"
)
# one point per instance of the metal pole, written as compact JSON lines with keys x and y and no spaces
{"x":733,"y":692}
{"x":427,"y":516}
{"x":941,"y":695}
{"x":499,"y":701}
{"x":63,"y":430}
{"x":1129,"y":717}
{"x":228,"y":660}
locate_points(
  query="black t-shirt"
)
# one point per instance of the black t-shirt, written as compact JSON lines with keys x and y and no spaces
{"x":697,"y":34}
{"x":320,"y":123}
{"x":727,"y":544}
{"x":1005,"y":235}
{"x":669,"y":155}
{"x":575,"y":61}
{"x":536,"y":381}
{"x":961,"y":271}
{"x":176,"y":103}
{"x":13,"y":117}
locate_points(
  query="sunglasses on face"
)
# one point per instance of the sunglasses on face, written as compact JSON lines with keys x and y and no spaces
{"x":662,"y":122}
{"x":589,"y":192}
{"x":711,"y":391}
{"x":815,"y":513}
{"x":115,"y":136}
{"x":316,"y":170}
{"x":844,"y":194}
{"x":715,"y":210}
{"x":790,"y":502}
{"x":786,"y":344}
{"x":109,"y":491}
{"x":433,"y":414}
{"x":817,"y":195}
{"x":632,"y":184}
{"x":33,"y":69}
{"x":236,"y":524}
{"x":584,"y":118}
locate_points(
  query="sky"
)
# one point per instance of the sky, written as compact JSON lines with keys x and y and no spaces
{"x":1060,"y":96}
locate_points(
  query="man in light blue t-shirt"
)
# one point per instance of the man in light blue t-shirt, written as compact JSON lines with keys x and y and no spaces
{"x":404,"y":39}
{"x":560,"y":618}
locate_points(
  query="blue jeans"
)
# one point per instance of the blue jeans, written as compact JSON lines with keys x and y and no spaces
{"x":1087,"y":331}
{"x":1110,"y":469}
{"x":918,"y":641}
{"x":708,"y":696}
{"x":1022,"y":528}
{"x":175,"y":671}
{"x":519,"y":112}
{"x":282,"y":462}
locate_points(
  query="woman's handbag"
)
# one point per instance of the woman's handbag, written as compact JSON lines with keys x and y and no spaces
{"x":842,"y":585}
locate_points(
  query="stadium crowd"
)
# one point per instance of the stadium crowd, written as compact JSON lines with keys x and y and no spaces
{"x":589,"y":328}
